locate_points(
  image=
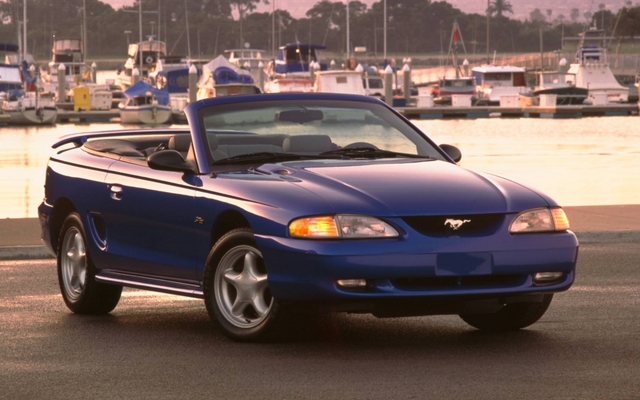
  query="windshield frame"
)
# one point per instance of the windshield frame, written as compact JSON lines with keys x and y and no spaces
{"x":387,"y":114}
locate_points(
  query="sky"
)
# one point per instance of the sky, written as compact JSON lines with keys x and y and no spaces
{"x":522,"y":8}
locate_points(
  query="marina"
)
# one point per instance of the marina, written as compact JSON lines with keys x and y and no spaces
{"x":435,"y":112}
{"x":580,"y":162}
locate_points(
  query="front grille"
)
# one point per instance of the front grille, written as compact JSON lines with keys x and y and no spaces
{"x":472,"y":225}
{"x":459,"y":282}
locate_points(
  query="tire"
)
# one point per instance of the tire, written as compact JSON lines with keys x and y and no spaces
{"x":511,"y":317}
{"x":76,"y":273}
{"x":236,"y":293}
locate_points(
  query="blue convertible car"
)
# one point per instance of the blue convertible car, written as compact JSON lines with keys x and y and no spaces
{"x":273,"y":204}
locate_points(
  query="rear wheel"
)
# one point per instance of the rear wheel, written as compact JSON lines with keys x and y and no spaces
{"x":511,"y":317}
{"x":237,"y":295}
{"x":76,"y":273}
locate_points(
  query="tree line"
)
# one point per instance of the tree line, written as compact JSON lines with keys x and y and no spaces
{"x":413,"y":26}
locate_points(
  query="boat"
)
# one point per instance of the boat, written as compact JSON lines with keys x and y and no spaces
{"x":373,"y":84}
{"x":562,"y":85}
{"x":144,"y":104}
{"x":176,"y":83}
{"x":222,"y":78}
{"x":10,"y":78}
{"x":290,"y":71}
{"x":592,"y":71}
{"x":252,"y":60}
{"x":460,"y":84}
{"x":67,"y":52}
{"x":493,"y":82}
{"x":339,"y":81}
{"x":152,"y":50}
{"x":22,"y":100}
{"x":449,"y":87}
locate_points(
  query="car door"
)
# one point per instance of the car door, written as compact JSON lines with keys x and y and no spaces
{"x":150,"y":221}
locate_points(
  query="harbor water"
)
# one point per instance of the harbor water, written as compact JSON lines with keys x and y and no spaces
{"x":585,"y":161}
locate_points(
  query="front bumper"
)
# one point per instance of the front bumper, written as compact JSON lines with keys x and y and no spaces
{"x":405,"y":269}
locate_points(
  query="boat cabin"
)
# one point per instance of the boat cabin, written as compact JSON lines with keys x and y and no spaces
{"x":240,"y":57}
{"x":295,"y":58}
{"x":348,"y":82}
{"x":373,"y":85}
{"x":496,"y":76}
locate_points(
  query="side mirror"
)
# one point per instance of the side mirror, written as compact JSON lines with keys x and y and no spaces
{"x":169,"y":160}
{"x":452,"y":151}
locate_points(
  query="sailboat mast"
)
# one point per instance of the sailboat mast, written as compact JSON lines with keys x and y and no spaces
{"x":24,"y":30}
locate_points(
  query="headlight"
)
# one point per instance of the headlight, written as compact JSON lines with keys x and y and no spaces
{"x":540,"y":220}
{"x":344,"y":226}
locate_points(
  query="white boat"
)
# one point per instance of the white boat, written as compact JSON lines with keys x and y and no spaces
{"x":373,"y":85}
{"x":67,"y":52}
{"x":28,"y":107}
{"x":144,"y":104}
{"x":339,"y":81}
{"x":461,"y":84}
{"x":493,"y":82}
{"x":290,"y":71}
{"x":252,"y":60}
{"x":562,"y":85}
{"x":152,"y":51}
{"x":241,"y":57}
{"x":222,"y":78}
{"x":592,"y":71}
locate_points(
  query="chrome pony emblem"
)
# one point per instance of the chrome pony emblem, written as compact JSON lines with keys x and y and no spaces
{"x":455,"y":224}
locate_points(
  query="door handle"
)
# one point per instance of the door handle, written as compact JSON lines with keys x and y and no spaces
{"x":116,"y":192}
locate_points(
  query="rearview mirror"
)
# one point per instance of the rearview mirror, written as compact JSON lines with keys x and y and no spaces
{"x":300,"y":116}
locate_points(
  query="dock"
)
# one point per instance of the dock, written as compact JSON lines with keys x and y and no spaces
{"x":474,"y":112}
{"x":410,"y":112}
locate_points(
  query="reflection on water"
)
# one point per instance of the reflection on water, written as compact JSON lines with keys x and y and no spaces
{"x":588,"y":161}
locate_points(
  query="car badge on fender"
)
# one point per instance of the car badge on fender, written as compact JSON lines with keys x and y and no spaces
{"x":455,"y":224}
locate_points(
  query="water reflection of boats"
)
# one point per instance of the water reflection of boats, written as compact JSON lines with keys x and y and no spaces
{"x":144,"y":104}
{"x":592,"y":71}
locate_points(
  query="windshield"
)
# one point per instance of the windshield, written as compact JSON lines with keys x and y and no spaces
{"x":310,"y":127}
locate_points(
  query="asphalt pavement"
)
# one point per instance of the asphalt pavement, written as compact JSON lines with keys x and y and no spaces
{"x":20,"y":237}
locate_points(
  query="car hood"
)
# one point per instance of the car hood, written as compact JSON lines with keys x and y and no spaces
{"x":414,"y":187}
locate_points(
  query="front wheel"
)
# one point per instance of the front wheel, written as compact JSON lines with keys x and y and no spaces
{"x":237,"y":295}
{"x":511,"y":317}
{"x":76,"y":273}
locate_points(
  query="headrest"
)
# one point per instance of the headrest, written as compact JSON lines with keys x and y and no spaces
{"x":212,"y":138}
{"x":179,"y":142}
{"x":307,"y":144}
